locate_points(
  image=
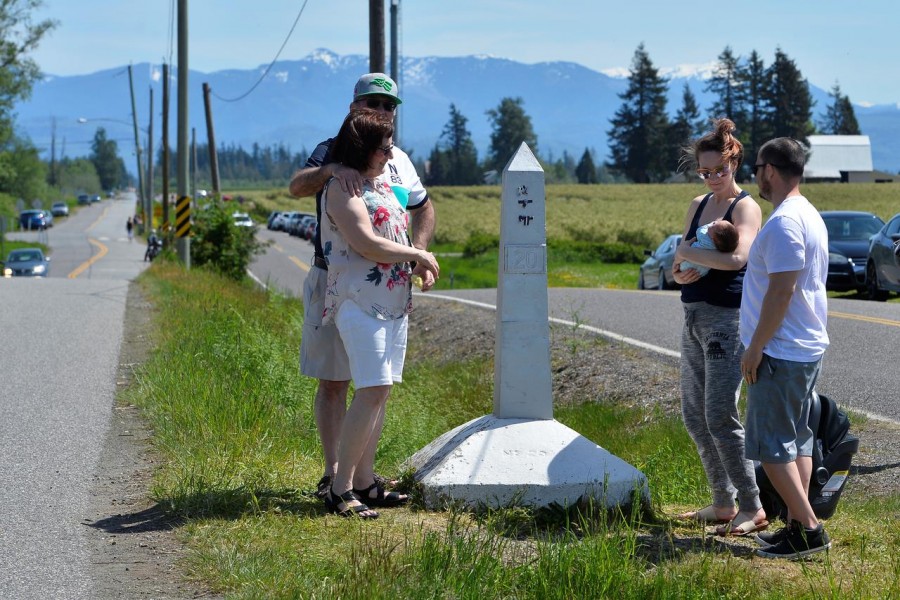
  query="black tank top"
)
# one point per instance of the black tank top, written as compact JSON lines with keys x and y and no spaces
{"x":719,"y":288}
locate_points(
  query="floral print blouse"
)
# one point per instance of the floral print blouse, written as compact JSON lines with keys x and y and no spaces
{"x":381,"y":289}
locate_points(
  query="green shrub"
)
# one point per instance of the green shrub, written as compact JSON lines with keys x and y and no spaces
{"x":222,"y":246}
{"x":580,"y":251}
{"x":480,"y":242}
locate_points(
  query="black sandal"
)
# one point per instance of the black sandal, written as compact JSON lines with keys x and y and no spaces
{"x":322,"y":487}
{"x":381,"y":498}
{"x":334,"y":502}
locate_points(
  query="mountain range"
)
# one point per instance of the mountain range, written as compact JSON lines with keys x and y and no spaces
{"x":300,"y":102}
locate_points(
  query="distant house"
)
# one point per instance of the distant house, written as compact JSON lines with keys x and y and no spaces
{"x":843,"y":158}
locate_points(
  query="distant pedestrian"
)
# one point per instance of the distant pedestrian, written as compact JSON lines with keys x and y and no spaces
{"x":129,"y":227}
{"x":710,"y":344}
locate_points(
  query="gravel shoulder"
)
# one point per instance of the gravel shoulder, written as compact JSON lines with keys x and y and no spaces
{"x":135,"y":545}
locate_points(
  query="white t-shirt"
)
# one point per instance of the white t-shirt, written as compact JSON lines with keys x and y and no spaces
{"x":404,"y":180}
{"x":793,"y":239}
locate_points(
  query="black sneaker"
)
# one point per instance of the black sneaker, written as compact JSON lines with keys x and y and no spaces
{"x":772,"y":537}
{"x":798,"y":542}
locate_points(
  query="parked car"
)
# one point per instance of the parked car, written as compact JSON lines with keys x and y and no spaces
{"x":310,"y":232}
{"x":84,"y":199}
{"x":848,"y":247}
{"x":242,"y":220}
{"x":48,"y":216}
{"x":59,"y":209}
{"x":34,"y":220}
{"x":271,"y":220}
{"x":883,"y":263}
{"x":26,"y":262}
{"x":656,"y":272}
{"x":302,"y":225}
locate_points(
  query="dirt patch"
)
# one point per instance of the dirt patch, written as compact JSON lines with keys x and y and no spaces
{"x":134,"y":546}
{"x":586,"y":367}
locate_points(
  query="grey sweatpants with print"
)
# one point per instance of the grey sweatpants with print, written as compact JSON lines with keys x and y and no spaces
{"x":710,"y":386}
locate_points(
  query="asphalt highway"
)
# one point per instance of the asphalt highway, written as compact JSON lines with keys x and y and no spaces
{"x":58,"y":362}
{"x":859,"y":372}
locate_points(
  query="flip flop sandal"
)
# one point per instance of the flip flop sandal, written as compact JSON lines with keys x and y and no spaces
{"x":707,"y":514}
{"x":741,"y":528}
{"x":381,"y":498}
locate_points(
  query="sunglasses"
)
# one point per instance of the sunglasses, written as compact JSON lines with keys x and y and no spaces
{"x":386,"y":149}
{"x":718,"y":172}
{"x":385,"y":104}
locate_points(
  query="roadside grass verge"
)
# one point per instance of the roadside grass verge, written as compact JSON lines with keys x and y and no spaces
{"x":233,"y":421}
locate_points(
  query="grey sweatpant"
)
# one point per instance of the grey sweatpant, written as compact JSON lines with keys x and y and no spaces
{"x":710,"y":387}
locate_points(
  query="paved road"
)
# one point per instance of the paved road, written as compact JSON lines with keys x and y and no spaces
{"x":59,"y":360}
{"x":860,"y":368}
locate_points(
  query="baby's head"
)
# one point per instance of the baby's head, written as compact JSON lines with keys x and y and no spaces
{"x":724,"y":235}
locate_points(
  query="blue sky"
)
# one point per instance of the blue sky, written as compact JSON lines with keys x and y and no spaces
{"x":855,"y":44}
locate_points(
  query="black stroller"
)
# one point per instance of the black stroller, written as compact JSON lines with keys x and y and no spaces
{"x":832,"y":453}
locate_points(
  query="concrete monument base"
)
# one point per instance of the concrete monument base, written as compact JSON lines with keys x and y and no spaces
{"x":492,"y":462}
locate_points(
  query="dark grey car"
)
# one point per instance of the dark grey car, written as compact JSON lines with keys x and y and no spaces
{"x":849,"y":232}
{"x":883,"y":264}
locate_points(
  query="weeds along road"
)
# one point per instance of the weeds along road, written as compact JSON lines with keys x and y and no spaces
{"x":59,"y":360}
{"x":860,"y":369}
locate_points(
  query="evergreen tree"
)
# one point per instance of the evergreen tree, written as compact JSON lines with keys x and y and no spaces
{"x":756,"y":128}
{"x":105,"y":156}
{"x":789,"y":101}
{"x":839,"y":118}
{"x":726,"y":84}
{"x":438,"y":171}
{"x":586,"y":172}
{"x":462,"y":157}
{"x":638,"y":144}
{"x":686,"y":126}
{"x":511,"y":126}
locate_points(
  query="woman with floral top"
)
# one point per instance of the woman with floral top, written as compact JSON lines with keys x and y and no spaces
{"x":368,"y":250}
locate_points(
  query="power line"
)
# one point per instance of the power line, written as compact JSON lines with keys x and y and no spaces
{"x":271,"y":64}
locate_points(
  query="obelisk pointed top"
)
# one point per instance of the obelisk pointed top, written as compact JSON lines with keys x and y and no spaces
{"x":523,"y":160}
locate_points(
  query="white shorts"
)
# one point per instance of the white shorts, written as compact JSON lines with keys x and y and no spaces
{"x":322,"y":353}
{"x":376,"y":348}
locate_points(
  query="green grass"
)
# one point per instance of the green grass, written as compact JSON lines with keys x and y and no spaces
{"x":233,"y":421}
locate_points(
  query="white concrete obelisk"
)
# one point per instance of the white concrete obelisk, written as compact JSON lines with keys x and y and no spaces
{"x":520,"y":453}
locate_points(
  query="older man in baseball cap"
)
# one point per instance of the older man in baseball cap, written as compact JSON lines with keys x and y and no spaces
{"x":322,"y":353}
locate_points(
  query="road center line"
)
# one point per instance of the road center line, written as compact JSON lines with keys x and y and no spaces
{"x":101,"y":252}
{"x":880,"y":321}
{"x":303,"y":266}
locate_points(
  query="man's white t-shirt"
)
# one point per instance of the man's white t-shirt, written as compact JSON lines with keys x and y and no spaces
{"x":793,"y":239}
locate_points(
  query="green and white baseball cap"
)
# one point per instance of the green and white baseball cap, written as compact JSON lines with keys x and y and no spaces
{"x":376,"y":84}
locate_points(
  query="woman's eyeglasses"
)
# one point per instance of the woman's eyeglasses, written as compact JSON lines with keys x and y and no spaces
{"x":717,"y":173}
{"x":385,"y":104}
{"x":386,"y":149}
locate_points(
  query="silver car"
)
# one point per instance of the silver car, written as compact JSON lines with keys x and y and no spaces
{"x":656,"y":272}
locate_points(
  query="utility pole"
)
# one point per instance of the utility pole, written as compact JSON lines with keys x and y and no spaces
{"x":150,"y":162}
{"x":166,"y":226}
{"x":211,"y":142}
{"x":395,"y":58}
{"x":376,"y":36}
{"x":183,"y":222}
{"x":137,"y":151}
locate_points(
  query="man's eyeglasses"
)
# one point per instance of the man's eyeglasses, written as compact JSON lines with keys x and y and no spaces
{"x":761,"y":165}
{"x":718,"y":172}
{"x":386,"y":149}
{"x":385,"y":104}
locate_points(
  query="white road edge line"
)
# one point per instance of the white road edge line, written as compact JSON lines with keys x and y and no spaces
{"x":626,"y":340}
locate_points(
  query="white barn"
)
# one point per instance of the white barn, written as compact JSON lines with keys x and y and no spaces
{"x":845,"y":158}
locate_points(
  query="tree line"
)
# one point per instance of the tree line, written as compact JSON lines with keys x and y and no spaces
{"x":645,"y":144}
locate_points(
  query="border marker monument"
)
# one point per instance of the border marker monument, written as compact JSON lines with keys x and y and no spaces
{"x":520,"y":453}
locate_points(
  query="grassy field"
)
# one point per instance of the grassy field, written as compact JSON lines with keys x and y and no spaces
{"x":637,"y":215}
{"x":233,"y":420}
